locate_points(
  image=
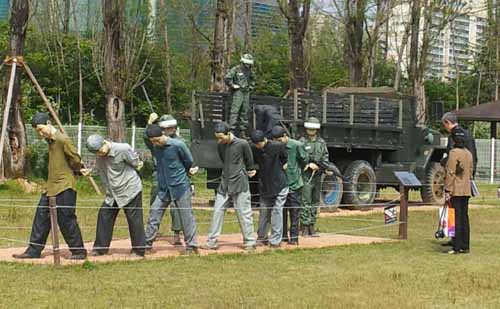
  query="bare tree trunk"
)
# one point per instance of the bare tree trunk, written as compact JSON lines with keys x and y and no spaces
{"x":230,"y":30}
{"x":112,"y":11}
{"x":478,"y":97}
{"x":166,"y":49}
{"x":115,"y":115}
{"x":421,"y":108}
{"x":380,"y":16}
{"x":217,"y":78}
{"x":66,"y":17}
{"x":497,"y":48}
{"x":297,"y":13}
{"x":14,"y":154}
{"x":404,"y":43}
{"x":248,"y":26}
{"x":354,"y":23}
{"x":415,"y":28}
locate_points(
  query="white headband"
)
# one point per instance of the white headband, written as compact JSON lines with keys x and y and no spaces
{"x":312,"y":125}
{"x":168,"y":123}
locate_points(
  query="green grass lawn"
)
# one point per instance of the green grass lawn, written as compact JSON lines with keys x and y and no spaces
{"x":402,"y":274}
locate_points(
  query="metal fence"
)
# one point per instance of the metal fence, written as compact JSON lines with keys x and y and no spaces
{"x":488,"y":163}
{"x":488,"y":150}
{"x":134,"y":137}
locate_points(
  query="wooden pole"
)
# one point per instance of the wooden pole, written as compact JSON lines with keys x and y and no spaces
{"x":54,"y":230}
{"x":7,"y":107}
{"x":403,"y":212}
{"x":54,"y":115}
{"x":44,"y":97}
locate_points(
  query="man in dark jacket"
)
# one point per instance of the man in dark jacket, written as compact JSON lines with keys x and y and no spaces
{"x":450,"y":124}
{"x":273,"y":189}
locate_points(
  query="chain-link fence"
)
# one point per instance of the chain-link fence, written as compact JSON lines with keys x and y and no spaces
{"x":488,"y":165}
{"x":134,"y":137}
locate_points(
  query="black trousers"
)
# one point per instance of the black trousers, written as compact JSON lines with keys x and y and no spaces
{"x":106,"y":221}
{"x":462,"y":230}
{"x":66,"y":218}
{"x":291,"y":210}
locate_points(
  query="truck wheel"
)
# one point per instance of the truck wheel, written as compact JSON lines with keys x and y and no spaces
{"x":433,"y":187}
{"x":331,"y":191}
{"x":361,"y":188}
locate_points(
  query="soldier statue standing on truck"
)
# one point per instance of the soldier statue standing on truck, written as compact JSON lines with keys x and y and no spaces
{"x":241,"y":80}
{"x":317,"y":151}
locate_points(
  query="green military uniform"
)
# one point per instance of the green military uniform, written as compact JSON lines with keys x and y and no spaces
{"x":242,"y":76}
{"x":311,"y":191}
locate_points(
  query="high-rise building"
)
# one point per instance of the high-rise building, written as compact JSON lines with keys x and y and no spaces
{"x":265,"y":16}
{"x":4,"y":9}
{"x":452,"y":49}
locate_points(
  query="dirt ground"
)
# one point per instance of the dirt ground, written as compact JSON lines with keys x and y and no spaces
{"x":228,"y":244}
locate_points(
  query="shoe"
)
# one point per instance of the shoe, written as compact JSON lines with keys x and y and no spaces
{"x":96,"y":253}
{"x":25,"y":255}
{"x":275,"y":246}
{"x":312,"y":231}
{"x":293,"y":242}
{"x":463,"y":251}
{"x":285,"y":240}
{"x":262,"y":242}
{"x":177,"y":239}
{"x":303,"y":230}
{"x":76,"y":257}
{"x":450,"y":252}
{"x":249,"y":249}
{"x":136,"y":255}
{"x":447,"y":244}
{"x":190,"y":251}
{"x":209,"y":247}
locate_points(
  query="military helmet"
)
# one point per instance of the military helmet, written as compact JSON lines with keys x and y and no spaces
{"x":312,"y":123}
{"x":247,"y":59}
{"x":167,"y":121}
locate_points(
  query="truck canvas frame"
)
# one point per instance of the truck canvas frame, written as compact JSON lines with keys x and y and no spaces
{"x":370,"y":133}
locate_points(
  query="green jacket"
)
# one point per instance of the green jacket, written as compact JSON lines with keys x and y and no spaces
{"x":239,"y":75}
{"x":64,"y":163}
{"x":316,"y":150}
{"x":297,"y":159}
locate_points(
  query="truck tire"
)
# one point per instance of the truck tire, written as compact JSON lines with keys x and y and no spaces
{"x":361,"y":189}
{"x":331,"y":191}
{"x":433,"y":187}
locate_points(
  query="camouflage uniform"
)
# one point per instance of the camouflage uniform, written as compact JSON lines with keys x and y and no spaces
{"x":243,"y":77}
{"x":311,"y":191}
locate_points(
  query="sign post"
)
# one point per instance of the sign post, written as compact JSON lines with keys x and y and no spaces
{"x":407,"y":181}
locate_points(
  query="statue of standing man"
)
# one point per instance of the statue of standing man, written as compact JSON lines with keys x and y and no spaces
{"x":241,"y":81}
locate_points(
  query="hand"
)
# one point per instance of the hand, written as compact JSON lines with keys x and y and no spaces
{"x":285,"y":166}
{"x":193,"y":170}
{"x":236,"y":87}
{"x":85,"y":171}
{"x":313,"y":166}
{"x":447,"y":196}
{"x":328,"y":173}
{"x":139,"y":166}
{"x":152,"y":118}
{"x":252,"y":173}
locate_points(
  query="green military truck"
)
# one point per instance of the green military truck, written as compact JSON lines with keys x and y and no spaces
{"x":370,"y":134}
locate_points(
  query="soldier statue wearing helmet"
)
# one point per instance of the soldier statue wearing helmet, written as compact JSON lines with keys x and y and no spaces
{"x":241,"y":81}
{"x":317,"y":151}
